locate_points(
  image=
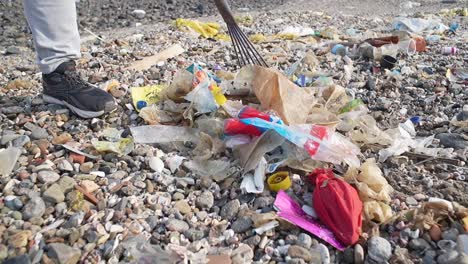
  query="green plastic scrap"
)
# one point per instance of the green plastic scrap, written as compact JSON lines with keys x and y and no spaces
{"x":351,"y":105}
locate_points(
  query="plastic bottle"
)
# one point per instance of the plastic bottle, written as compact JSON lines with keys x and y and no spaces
{"x":449,"y":50}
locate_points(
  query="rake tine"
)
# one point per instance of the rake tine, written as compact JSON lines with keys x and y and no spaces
{"x":254,"y":51}
{"x":237,"y":49}
{"x":245,"y":48}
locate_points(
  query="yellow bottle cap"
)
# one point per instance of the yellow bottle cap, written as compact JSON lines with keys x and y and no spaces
{"x":279,"y":181}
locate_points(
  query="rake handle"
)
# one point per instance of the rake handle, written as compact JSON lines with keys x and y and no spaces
{"x":225,"y":11}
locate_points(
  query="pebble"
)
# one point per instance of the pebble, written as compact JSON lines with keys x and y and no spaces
{"x":230,"y":209}
{"x":462,"y":243}
{"x":34,"y":208}
{"x":54,"y":194}
{"x":63,"y":253}
{"x":21,"y":141}
{"x":242,"y":224}
{"x":450,"y":234}
{"x":19,"y":239}
{"x":46,"y":176}
{"x":419,"y":244}
{"x":304,"y":240}
{"x":358,"y":254}
{"x":66,"y":184}
{"x":295,"y":251}
{"x":156,"y":164}
{"x":39,"y":133}
{"x":435,"y":233}
{"x":23,"y":259}
{"x":411,"y":201}
{"x":205,"y":200}
{"x":450,"y":140}
{"x":451,"y":257}
{"x":183,"y":207}
{"x":177,"y":225}
{"x":89,"y":186}
{"x":447,"y":245}
{"x":64,"y":165}
{"x":86,"y":167}
{"x":139,"y":13}
{"x":194,"y":235}
{"x":242,"y":254}
{"x":379,"y":249}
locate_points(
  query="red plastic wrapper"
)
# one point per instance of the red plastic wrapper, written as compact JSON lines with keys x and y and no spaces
{"x":235,"y":126}
{"x":337,"y":205}
{"x":250,"y":112}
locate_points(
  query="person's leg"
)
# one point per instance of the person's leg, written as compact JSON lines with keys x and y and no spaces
{"x":57,"y":41}
{"x":55,"y":31}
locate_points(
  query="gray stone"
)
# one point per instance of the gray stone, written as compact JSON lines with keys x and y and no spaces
{"x":65,"y":165}
{"x":450,"y":257}
{"x":450,"y":234}
{"x":230,"y":209}
{"x":12,"y":50}
{"x":194,"y":235}
{"x":63,"y":254}
{"x":205,"y":200}
{"x":447,"y":245}
{"x":358,"y":254}
{"x":54,"y":194}
{"x":86,"y":167}
{"x":47,"y":176}
{"x":452,"y":140}
{"x":295,"y":251}
{"x":20,"y":141}
{"x":23,"y":259}
{"x":66,"y":184}
{"x":39,"y":133}
{"x":462,"y":243}
{"x":411,"y":201}
{"x":177,"y":225}
{"x":75,"y":220}
{"x":156,"y":164}
{"x":183,"y":207}
{"x":242,"y":224}
{"x":419,"y":244}
{"x":242,"y":254}
{"x":304,"y":240}
{"x":34,"y":208}
{"x":429,"y":257}
{"x":12,"y":110}
{"x":253,"y":241}
{"x":347,"y":257}
{"x":379,"y":249}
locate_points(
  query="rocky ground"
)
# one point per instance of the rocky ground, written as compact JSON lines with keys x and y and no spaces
{"x":60,"y":206}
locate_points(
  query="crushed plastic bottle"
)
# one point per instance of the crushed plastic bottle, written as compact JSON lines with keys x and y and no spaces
{"x":163,"y":134}
{"x":319,"y":141}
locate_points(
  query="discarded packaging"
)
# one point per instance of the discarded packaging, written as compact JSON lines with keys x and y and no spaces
{"x":337,"y":205}
{"x":122,"y":147}
{"x":319,"y":141}
{"x":289,"y":210}
{"x":206,"y":30}
{"x":146,"y":95}
{"x":163,"y":134}
{"x":277,"y":93}
{"x":268,"y":226}
{"x":254,"y":183}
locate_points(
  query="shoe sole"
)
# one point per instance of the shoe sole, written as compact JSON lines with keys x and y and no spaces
{"x":74,"y":109}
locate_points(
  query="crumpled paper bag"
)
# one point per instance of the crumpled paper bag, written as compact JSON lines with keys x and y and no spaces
{"x":277,"y":93}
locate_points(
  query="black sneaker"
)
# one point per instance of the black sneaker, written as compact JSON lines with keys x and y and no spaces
{"x":65,"y":87}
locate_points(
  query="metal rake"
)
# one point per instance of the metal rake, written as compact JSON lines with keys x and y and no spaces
{"x":245,"y":51}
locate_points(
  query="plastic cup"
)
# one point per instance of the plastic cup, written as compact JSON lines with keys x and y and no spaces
{"x":388,"y":62}
{"x":407,"y":46}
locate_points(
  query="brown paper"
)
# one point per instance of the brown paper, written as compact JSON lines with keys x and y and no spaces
{"x":277,"y":93}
